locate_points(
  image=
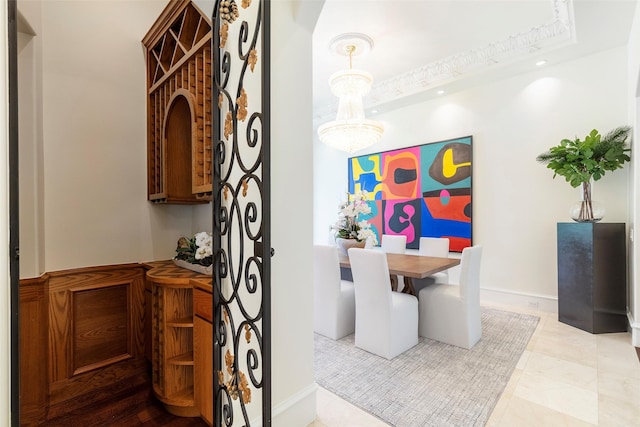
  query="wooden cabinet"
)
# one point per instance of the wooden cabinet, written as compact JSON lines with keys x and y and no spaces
{"x":202,"y":347}
{"x":179,"y":118}
{"x":592,"y":272}
{"x":172,"y":336}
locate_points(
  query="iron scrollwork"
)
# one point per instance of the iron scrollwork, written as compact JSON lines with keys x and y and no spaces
{"x":241,"y":358}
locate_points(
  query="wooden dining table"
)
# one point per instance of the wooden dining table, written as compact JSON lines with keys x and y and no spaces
{"x":411,"y":266}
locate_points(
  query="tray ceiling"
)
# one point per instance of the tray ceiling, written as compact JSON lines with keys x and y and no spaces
{"x":421,"y":47}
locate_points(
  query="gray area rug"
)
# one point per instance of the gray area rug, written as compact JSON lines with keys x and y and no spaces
{"x":432,"y":384}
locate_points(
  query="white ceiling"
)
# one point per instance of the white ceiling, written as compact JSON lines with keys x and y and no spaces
{"x":424,"y":46}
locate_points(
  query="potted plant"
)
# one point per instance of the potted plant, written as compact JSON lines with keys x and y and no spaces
{"x":195,"y":253}
{"x":352,"y":230}
{"x":580,"y":162}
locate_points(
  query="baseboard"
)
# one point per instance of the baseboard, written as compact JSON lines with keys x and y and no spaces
{"x":520,"y":299}
{"x":298,"y":410}
{"x":635,"y":330}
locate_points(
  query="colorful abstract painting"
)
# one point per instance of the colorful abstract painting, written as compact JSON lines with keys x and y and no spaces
{"x":420,"y":191}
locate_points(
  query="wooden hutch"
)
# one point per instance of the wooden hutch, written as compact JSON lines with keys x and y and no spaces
{"x":178,"y":57}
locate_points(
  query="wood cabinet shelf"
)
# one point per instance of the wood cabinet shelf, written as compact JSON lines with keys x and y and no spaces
{"x":185,"y":395}
{"x":185,"y":322}
{"x":185,"y":359}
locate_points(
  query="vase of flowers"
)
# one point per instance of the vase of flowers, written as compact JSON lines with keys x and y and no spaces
{"x":350,"y":228}
{"x":195,"y":253}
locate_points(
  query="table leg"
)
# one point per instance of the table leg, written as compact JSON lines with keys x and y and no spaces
{"x":408,"y":286}
{"x":394,"y":282}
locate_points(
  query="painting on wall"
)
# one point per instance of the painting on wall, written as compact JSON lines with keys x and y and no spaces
{"x":419,"y":191}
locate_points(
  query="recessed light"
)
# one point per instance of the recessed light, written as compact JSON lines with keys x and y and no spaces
{"x":440,"y":92}
{"x":374,"y":111}
{"x":541,"y":62}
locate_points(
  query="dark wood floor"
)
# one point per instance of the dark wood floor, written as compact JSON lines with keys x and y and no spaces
{"x":128,"y":408}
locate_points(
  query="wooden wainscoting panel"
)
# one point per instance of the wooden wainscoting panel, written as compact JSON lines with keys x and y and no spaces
{"x":33,"y":350}
{"x":96,"y":331}
{"x":101,"y":326}
{"x":60,"y":356}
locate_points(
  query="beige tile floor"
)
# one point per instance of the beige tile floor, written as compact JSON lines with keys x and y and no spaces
{"x":565,"y":377}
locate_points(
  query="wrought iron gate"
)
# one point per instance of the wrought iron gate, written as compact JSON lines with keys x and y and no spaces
{"x":241,"y":221}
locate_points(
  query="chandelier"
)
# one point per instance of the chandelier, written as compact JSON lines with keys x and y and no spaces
{"x":351,"y":130}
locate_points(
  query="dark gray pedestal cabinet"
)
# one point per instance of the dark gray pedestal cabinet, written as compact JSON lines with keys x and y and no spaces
{"x":592,"y":276}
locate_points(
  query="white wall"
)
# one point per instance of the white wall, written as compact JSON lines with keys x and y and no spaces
{"x":30,"y":134}
{"x":94,"y":138}
{"x":516,"y":203}
{"x":83,"y":174}
{"x":633,"y":101}
{"x":30,"y":171}
{"x":291,"y":210}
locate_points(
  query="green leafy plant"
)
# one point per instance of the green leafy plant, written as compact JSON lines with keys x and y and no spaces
{"x":581,"y":161}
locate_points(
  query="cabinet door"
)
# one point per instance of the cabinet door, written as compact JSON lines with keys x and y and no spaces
{"x":203,"y":369}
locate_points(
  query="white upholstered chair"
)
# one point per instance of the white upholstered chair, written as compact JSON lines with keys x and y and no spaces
{"x":438,"y":247}
{"x":386,"y":321}
{"x":450,"y":313}
{"x":394,"y":243}
{"x":334,"y":299}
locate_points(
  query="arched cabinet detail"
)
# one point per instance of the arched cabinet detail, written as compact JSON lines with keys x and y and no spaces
{"x":178,"y":58}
